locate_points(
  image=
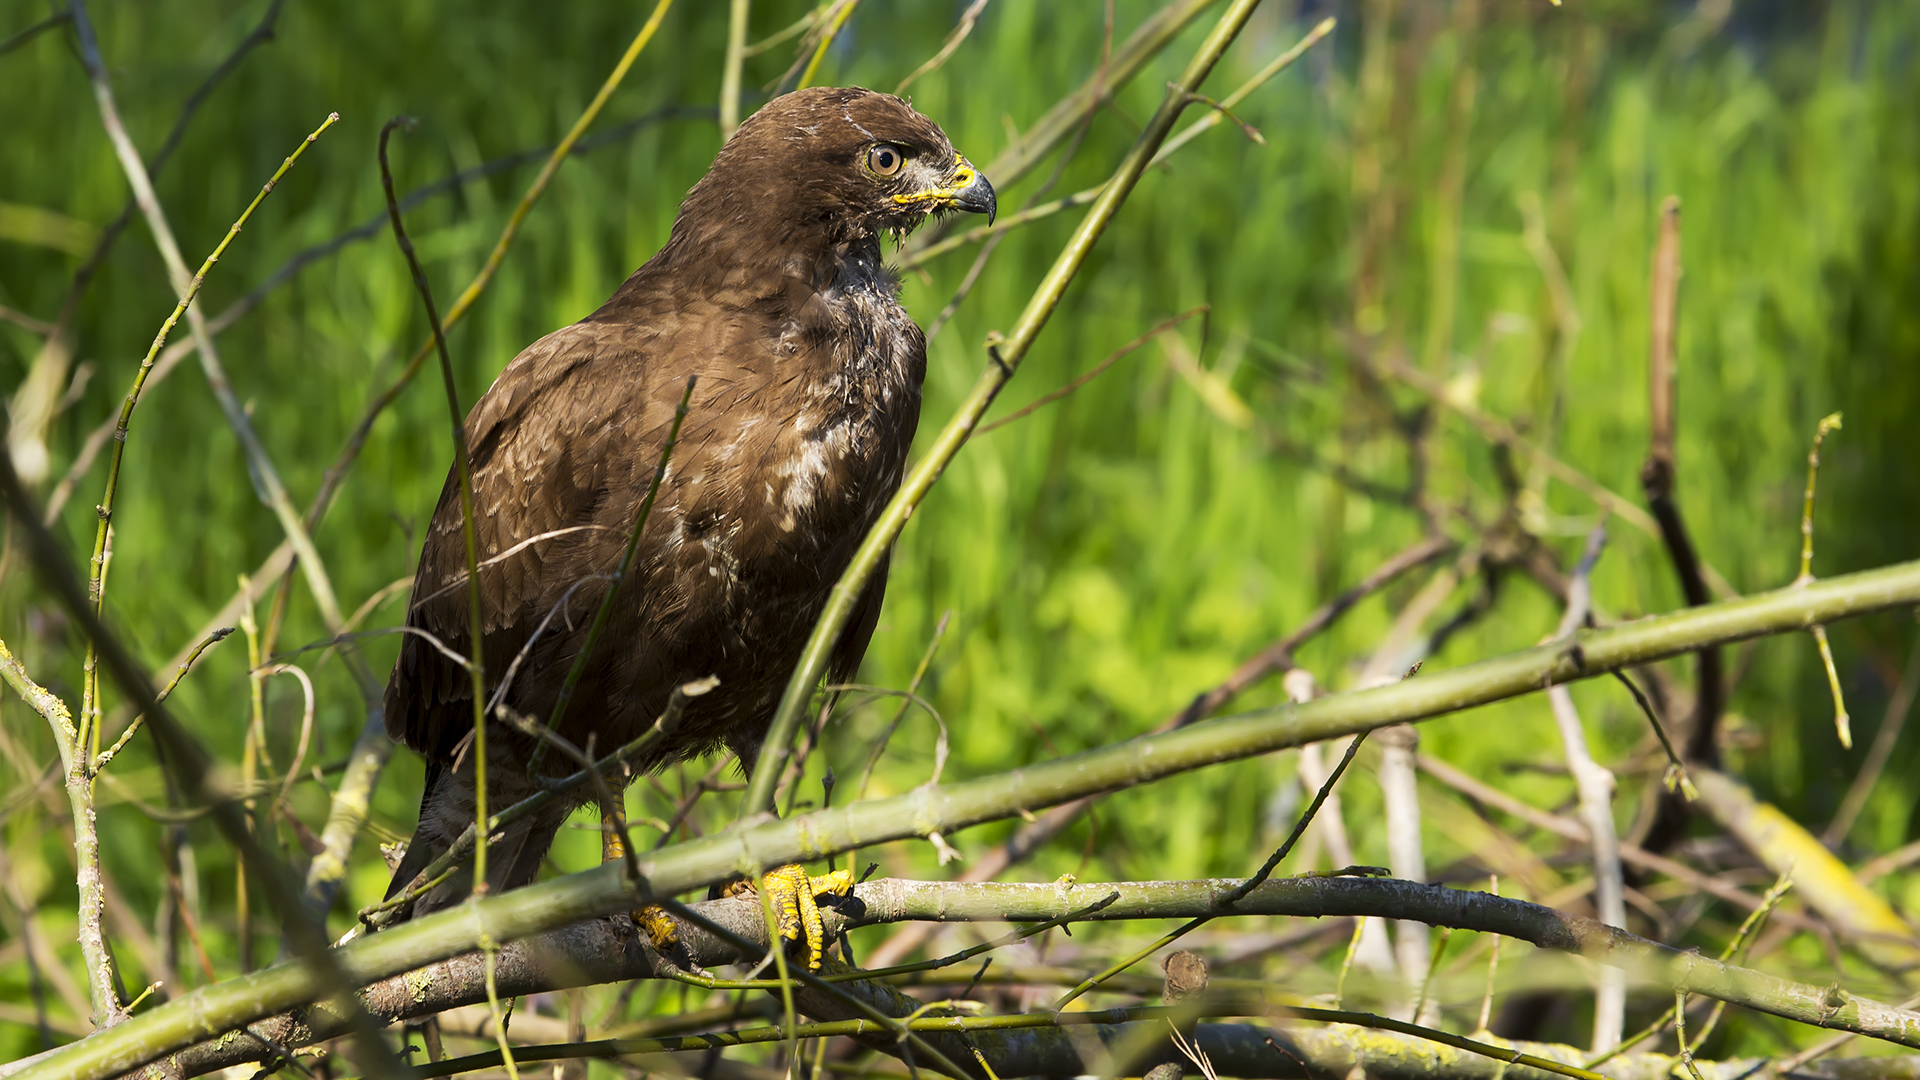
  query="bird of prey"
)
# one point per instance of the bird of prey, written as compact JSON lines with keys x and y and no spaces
{"x":773,"y":292}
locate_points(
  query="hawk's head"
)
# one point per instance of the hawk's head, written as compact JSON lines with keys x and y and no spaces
{"x":843,"y":161}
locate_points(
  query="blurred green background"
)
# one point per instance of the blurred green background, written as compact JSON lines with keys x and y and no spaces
{"x":1110,"y":556}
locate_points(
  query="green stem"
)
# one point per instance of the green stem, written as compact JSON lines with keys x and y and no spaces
{"x":463,"y":467}
{"x":605,"y":611}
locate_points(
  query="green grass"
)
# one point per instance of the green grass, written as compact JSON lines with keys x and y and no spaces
{"x":1113,"y":554}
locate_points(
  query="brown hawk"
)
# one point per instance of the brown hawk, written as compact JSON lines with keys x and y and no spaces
{"x":773,"y":292}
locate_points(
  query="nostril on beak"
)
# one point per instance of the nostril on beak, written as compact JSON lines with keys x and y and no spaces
{"x":977,"y":198}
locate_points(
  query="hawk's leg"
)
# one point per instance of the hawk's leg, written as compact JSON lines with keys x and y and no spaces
{"x":792,"y":892}
{"x":653,"y":920}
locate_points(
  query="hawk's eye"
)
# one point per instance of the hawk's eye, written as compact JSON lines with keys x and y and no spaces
{"x":885,"y":160}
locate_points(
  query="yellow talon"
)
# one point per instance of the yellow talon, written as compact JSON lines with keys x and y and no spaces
{"x":660,"y":929}
{"x":788,"y":888}
{"x":792,"y":894}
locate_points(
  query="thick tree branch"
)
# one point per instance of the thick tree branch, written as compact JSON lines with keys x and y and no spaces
{"x":608,"y":950}
{"x":695,"y":864}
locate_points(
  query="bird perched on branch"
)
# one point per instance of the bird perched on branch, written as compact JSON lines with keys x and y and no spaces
{"x":773,"y":294}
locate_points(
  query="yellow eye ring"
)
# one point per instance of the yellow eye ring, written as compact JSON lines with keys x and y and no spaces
{"x":884,"y":160}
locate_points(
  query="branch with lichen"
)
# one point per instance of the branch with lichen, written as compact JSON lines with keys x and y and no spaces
{"x":92,"y":936}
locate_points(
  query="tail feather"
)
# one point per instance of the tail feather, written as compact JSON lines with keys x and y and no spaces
{"x":513,"y":859}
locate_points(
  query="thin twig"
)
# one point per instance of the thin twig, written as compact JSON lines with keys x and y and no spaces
{"x":26,"y":321}
{"x":1240,"y":891}
{"x":491,"y":950}
{"x":730,"y":69}
{"x":1899,"y":707}
{"x":1830,"y":422}
{"x":1842,"y":724}
{"x":306,"y":730}
{"x":825,"y":29}
{"x":94,"y":949}
{"x":906,"y":702}
{"x":1433,"y":966}
{"x":954,"y":37}
{"x":1251,"y":132}
{"x":685,"y":806}
{"x":1095,"y":371}
{"x":21,"y":37}
{"x":641,"y":516}
{"x":166,"y":691}
{"x":463,"y":468}
{"x":1661,"y":374}
{"x":1676,"y":776}
{"x":780,"y":37}
{"x":1493,"y":965}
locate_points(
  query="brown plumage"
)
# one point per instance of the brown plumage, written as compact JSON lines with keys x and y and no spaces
{"x":772,"y":290}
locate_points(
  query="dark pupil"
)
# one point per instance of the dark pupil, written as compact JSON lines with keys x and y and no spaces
{"x":883,"y":160}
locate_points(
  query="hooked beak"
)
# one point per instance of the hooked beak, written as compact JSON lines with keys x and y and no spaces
{"x":963,"y":189}
{"x":969,"y":191}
